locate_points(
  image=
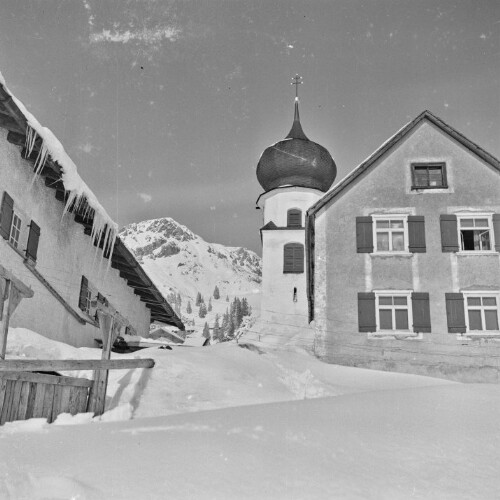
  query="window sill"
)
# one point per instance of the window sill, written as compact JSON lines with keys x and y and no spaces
{"x":405,"y":255}
{"x":430,"y":189}
{"x":471,"y":253}
{"x":492,"y":334}
{"x":396,"y":335}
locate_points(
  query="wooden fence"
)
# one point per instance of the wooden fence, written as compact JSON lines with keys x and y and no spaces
{"x":26,"y":394}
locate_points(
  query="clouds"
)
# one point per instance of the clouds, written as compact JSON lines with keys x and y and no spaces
{"x":146,"y":198}
{"x":148,"y":36}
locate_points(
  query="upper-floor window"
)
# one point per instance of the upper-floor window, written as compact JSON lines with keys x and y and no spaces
{"x":15,"y":230}
{"x":293,"y":258}
{"x":428,"y":175}
{"x":11,"y":228}
{"x":475,"y":233}
{"x":294,"y":218}
{"x":391,"y":233}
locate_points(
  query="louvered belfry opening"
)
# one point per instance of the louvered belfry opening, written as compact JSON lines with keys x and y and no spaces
{"x":294,"y":218}
{"x":293,"y":258}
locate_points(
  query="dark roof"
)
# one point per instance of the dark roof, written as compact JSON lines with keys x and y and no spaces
{"x":296,"y":161}
{"x":363,"y":167}
{"x":12,"y":119}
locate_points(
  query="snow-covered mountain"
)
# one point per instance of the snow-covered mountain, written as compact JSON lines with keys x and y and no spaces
{"x":178,"y":260}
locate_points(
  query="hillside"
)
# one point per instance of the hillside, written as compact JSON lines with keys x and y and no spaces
{"x":179,"y":261}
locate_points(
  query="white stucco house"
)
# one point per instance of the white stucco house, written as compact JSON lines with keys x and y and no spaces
{"x":57,"y":238}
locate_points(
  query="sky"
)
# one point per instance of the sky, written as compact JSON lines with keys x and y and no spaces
{"x":166,"y":106}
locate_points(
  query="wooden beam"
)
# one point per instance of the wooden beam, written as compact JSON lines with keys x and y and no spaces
{"x":9,"y":124}
{"x":48,"y":365}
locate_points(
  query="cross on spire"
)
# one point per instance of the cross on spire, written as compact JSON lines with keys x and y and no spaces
{"x":296,"y":80}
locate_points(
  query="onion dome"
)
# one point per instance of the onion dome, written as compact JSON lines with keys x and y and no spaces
{"x":296,"y":161}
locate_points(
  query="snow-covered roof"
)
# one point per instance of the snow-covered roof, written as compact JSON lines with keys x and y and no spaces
{"x":79,"y":194}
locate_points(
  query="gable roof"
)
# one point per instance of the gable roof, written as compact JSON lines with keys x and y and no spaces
{"x":59,"y":173}
{"x":394,"y":141}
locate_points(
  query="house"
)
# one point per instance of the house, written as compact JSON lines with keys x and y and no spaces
{"x":59,"y":240}
{"x":403,"y":258}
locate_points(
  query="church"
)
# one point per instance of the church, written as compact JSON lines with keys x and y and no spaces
{"x":395,"y":267}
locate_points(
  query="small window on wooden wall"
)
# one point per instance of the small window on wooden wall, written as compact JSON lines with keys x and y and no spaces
{"x":294,"y":218}
{"x":428,"y":175}
{"x":293,"y":258}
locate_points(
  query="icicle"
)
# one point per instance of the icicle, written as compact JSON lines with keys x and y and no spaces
{"x":41,"y":159}
{"x":31,"y":136}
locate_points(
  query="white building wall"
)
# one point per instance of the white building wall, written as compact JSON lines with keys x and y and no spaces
{"x":277,"y":202}
{"x":65,"y":253}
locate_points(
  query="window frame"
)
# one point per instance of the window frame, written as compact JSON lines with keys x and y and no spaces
{"x":428,"y":165}
{"x":409,"y":308}
{"x":489,"y":218}
{"x":481,"y":294}
{"x":389,"y":218}
{"x":15,"y":227}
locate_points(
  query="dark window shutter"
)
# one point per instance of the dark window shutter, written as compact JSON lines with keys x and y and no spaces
{"x":293,"y":258}
{"x":449,"y":234}
{"x":364,"y":234}
{"x":367,"y":320}
{"x":416,"y":233}
{"x":294,"y":218}
{"x":496,"y":231}
{"x":421,"y":312}
{"x":6,"y":214}
{"x":33,"y":239}
{"x":82,"y":302}
{"x":455,"y":312}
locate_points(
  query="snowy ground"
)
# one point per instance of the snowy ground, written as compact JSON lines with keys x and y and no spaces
{"x":325,"y":432}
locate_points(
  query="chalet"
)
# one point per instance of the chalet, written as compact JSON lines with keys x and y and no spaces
{"x":58,"y":239}
{"x":403,"y":258}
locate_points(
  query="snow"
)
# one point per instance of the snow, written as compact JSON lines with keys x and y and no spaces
{"x":79,"y":192}
{"x":281,"y":424}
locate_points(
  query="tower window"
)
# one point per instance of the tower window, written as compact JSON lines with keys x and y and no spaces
{"x":295,"y":294}
{"x":293,"y":258}
{"x":294,"y":218}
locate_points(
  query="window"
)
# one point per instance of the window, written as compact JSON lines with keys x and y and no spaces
{"x":294,"y":218}
{"x":293,"y":258}
{"x":391,"y":234}
{"x":15,"y":230}
{"x":481,"y":312}
{"x":475,"y":233}
{"x":428,"y":176}
{"x":393,"y":311}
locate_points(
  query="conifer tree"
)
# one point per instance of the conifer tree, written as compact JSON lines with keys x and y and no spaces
{"x":179,"y":300}
{"x":227,"y":298}
{"x":209,"y":308}
{"x":202,"y":312}
{"x":244,"y":307}
{"x":216,"y":331}
{"x":189,"y":309}
{"x":216,"y":293}
{"x":206,"y":331}
{"x":199,"y":300}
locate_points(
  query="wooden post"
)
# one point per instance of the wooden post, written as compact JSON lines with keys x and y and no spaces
{"x":97,"y":397}
{"x":6,"y":317}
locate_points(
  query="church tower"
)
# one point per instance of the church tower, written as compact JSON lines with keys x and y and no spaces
{"x":294,"y":174}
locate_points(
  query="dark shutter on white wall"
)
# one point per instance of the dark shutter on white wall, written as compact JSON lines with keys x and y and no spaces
{"x":294,"y":218}
{"x":421,"y":312}
{"x":293,"y":258}
{"x":364,"y":234}
{"x":416,"y":233}
{"x":82,"y":302}
{"x":449,"y":233}
{"x":6,"y":214}
{"x":367,"y":320}
{"x":455,"y":312}
{"x":33,"y":239}
{"x":496,"y":231}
